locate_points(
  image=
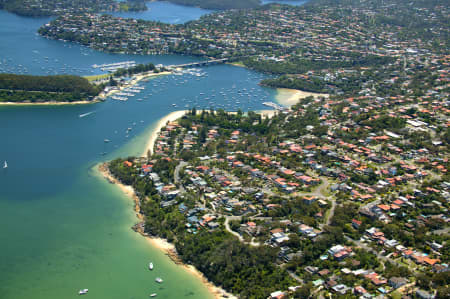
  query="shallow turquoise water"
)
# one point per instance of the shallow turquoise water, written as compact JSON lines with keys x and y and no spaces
{"x":62,"y":228}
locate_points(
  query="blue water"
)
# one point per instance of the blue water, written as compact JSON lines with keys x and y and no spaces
{"x":289,"y":2}
{"x":63,"y":227}
{"x":166,"y":12}
{"x":23,"y":51}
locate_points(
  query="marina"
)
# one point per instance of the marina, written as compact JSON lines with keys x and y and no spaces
{"x":59,"y":146}
{"x":112,"y":67}
{"x":274,"y":106}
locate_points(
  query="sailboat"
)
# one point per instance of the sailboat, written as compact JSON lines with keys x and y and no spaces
{"x":5,"y":165}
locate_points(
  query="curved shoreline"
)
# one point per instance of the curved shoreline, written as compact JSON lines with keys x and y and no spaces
{"x":97,"y":99}
{"x":135,"y":79}
{"x":289,"y":97}
{"x":159,"y":125}
{"x":177,"y":115}
{"x":159,"y":243}
{"x":156,"y":242}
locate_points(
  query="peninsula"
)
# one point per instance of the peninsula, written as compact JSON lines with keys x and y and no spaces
{"x":69,"y":89}
{"x":341,"y":195}
{"x":334,"y":47}
{"x":319,"y":199}
{"x":219,"y":4}
{"x":46,"y":89}
{"x":41,"y":8}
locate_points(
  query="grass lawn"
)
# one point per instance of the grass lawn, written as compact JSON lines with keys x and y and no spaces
{"x":97,"y":77}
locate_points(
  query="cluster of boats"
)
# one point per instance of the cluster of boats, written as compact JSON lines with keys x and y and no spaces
{"x":196,"y":72}
{"x":49,"y":66}
{"x":7,"y":66}
{"x":157,"y":279}
{"x":150,"y":267}
{"x":229,"y":99}
{"x":112,"y":67}
{"x":127,"y":92}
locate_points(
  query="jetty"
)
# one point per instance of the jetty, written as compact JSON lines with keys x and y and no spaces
{"x":274,"y":106}
{"x":198,"y":63}
{"x":112,"y":67}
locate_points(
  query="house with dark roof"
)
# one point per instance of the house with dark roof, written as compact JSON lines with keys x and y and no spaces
{"x":397,"y":282}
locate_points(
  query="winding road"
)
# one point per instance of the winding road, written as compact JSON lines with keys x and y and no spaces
{"x":228,"y":228}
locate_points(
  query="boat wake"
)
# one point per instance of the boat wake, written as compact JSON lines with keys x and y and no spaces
{"x":86,"y":114}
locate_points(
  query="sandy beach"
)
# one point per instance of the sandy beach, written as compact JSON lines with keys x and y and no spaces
{"x":159,"y":125}
{"x":288,"y":97}
{"x":174,"y":116}
{"x":159,"y":243}
{"x":97,"y":99}
{"x":169,"y":249}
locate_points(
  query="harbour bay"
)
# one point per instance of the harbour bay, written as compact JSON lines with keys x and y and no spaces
{"x":62,"y":225}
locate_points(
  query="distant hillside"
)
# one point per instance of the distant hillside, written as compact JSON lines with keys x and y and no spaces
{"x":39,"y":8}
{"x":218,"y":4}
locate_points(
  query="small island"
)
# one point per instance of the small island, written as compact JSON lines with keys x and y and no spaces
{"x":46,"y":89}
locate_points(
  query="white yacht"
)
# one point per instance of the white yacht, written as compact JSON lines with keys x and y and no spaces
{"x":150,"y":266}
{"x":158,"y":280}
{"x":83,"y":292}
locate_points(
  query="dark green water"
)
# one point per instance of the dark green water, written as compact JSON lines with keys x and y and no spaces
{"x":64,"y":228}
